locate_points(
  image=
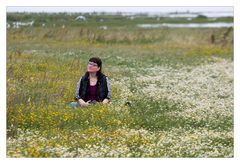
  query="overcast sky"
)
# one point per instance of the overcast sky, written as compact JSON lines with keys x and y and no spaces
{"x":118,"y":9}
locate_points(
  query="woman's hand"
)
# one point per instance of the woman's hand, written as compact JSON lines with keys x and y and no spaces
{"x":83,"y":103}
{"x":105,"y":101}
{"x":87,"y":103}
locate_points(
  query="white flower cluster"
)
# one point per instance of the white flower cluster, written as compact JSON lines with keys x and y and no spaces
{"x":134,"y":143}
{"x":205,"y":90}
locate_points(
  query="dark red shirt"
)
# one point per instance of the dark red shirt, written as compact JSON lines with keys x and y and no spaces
{"x":92,"y":93}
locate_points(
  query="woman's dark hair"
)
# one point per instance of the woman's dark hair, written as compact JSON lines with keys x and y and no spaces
{"x":98,"y":61}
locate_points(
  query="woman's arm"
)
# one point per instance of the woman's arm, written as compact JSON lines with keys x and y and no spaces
{"x":109,"y":89}
{"x":77,"y":97}
{"x":107,"y":99}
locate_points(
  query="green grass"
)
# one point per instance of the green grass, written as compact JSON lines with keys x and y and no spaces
{"x":44,"y":65}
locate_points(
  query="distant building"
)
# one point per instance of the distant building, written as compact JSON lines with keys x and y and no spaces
{"x":103,"y":27}
{"x":80,"y":17}
{"x":19,"y":24}
{"x":8,"y":25}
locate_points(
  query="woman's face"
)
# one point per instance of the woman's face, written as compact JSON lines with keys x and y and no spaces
{"x":92,"y":67}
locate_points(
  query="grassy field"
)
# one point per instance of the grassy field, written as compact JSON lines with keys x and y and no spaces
{"x":179,"y":83}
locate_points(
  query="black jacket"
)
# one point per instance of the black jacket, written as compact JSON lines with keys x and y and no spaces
{"x":103,"y":88}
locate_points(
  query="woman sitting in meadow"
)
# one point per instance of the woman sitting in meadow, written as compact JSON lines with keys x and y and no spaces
{"x":93,"y":87}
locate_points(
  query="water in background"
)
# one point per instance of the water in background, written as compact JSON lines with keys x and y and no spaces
{"x":188,"y":25}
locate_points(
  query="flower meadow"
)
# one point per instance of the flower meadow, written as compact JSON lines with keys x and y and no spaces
{"x":171,"y":96}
